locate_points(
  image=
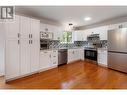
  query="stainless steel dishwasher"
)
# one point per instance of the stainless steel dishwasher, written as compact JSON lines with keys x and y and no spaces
{"x":62,"y":57}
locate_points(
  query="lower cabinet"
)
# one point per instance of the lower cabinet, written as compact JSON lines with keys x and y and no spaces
{"x":45,"y":59}
{"x":75,"y":54}
{"x":102,"y":57}
{"x":48,"y":59}
{"x":54,"y":58}
{"x":81,"y":54}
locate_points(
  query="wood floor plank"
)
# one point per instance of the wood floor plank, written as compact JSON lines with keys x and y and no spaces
{"x":78,"y":75}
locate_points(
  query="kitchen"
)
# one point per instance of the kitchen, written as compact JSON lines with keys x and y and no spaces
{"x":35,"y":47}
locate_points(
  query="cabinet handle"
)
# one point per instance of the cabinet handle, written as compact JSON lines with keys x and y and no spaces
{"x":29,"y":35}
{"x":18,"y":35}
{"x":29,"y":41}
{"x":18,"y":41}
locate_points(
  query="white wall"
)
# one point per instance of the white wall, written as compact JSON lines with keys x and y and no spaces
{"x":2,"y":50}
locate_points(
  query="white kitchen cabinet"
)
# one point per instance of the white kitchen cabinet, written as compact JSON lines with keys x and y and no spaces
{"x":81,"y":54}
{"x":102,"y":57}
{"x":25,"y":56}
{"x":54,"y":58}
{"x":45,"y":59}
{"x":71,"y":56}
{"x":48,"y":59}
{"x":30,"y":45}
{"x":102,"y":31}
{"x":35,"y":45}
{"x":12,"y":57}
{"x":79,"y":36}
{"x":22,"y":47}
{"x":25,"y":45}
{"x":75,"y":54}
{"x":55,"y":31}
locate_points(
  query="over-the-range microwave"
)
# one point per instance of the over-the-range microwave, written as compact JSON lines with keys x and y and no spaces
{"x":46,"y":35}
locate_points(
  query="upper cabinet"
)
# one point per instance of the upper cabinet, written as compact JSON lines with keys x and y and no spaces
{"x":79,"y":36}
{"x":56,"y":31}
{"x":102,"y":31}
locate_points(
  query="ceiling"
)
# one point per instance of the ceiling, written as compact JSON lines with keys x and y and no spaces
{"x":74,"y":14}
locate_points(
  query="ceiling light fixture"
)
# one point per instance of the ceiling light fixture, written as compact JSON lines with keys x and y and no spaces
{"x":87,"y":18}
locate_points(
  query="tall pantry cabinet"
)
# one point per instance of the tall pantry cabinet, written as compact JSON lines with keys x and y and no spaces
{"x":22,"y":47}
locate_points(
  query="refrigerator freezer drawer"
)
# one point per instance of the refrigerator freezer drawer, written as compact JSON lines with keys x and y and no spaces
{"x":117,"y":61}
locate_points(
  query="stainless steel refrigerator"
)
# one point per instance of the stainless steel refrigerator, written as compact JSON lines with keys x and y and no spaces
{"x":117,"y":49}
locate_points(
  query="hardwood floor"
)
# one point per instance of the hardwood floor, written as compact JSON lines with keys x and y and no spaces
{"x":78,"y":75}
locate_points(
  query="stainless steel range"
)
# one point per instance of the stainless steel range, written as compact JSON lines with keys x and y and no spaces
{"x":90,"y":53}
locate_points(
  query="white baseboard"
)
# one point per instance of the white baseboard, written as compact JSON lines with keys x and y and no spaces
{"x":41,"y":70}
{"x":7,"y":80}
{"x":103,"y":65}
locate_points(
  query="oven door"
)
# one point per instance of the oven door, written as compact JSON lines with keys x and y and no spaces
{"x":91,"y":54}
{"x":44,"y":44}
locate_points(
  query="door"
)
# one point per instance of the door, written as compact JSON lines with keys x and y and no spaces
{"x":117,"y":40}
{"x":117,"y":61}
{"x":25,"y":45}
{"x":35,"y":45}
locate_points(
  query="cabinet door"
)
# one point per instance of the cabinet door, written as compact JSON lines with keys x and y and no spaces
{"x":25,"y":45}
{"x":34,"y":55}
{"x":71,"y":56}
{"x":12,"y":59}
{"x":35,"y":29}
{"x":25,"y":27}
{"x":35,"y":45}
{"x":54,"y":58}
{"x":12,"y":28}
{"x":79,"y":35}
{"x":102,"y":57}
{"x":75,"y":55}
{"x":25,"y":56}
{"x":103,"y":32}
{"x":12,"y":49}
{"x":81,"y":54}
{"x":45,"y":59}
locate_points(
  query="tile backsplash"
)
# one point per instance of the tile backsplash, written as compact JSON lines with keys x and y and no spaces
{"x":57,"y":44}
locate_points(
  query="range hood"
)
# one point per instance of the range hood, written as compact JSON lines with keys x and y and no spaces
{"x":93,"y":37}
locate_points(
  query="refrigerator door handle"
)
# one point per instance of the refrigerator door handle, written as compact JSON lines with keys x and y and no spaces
{"x":118,"y":52}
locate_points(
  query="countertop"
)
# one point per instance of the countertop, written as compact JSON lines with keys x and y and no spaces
{"x":74,"y":48}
